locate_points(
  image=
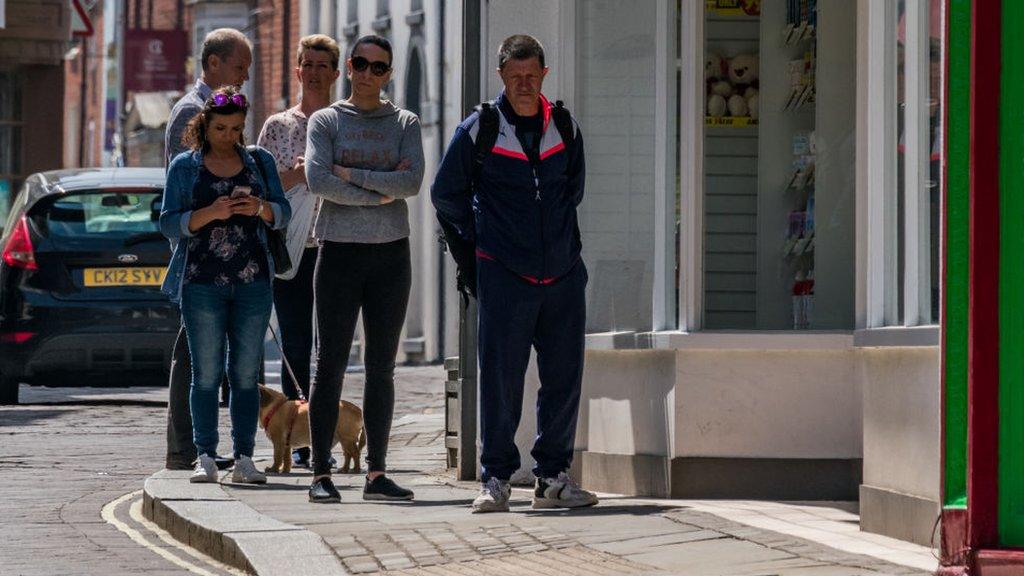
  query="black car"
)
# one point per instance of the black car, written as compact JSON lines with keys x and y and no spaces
{"x":82,"y":264}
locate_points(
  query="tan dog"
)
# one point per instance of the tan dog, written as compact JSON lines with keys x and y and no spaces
{"x":286,"y":423}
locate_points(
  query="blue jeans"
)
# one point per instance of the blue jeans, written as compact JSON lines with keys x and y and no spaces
{"x":240,"y":313}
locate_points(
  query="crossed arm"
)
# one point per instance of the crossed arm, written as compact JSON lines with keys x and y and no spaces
{"x":355,"y":186}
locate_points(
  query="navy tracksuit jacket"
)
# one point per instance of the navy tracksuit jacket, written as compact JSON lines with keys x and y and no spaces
{"x":531,"y":281}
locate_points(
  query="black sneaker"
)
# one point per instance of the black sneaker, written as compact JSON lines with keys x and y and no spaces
{"x":323,"y":492}
{"x":300,"y":458}
{"x":383,"y":488}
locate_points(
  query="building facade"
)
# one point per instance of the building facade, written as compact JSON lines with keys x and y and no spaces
{"x":762,"y":229}
{"x":35,"y":37}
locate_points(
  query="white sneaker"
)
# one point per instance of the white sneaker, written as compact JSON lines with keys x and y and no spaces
{"x":561,"y":492}
{"x":245,"y":472}
{"x":205,"y":470}
{"x":493,"y":497}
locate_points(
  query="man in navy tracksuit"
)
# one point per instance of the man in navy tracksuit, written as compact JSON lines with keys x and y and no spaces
{"x":515,"y":206}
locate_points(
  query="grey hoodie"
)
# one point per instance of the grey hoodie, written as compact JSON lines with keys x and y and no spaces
{"x":371,"y":144}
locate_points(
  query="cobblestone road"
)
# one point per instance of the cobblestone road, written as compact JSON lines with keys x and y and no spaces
{"x":67,"y":452}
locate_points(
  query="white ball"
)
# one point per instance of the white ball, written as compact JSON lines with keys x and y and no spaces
{"x":737,"y":106}
{"x":722,"y":88}
{"x":716,"y":106}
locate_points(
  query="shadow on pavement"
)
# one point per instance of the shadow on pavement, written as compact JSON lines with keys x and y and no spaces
{"x":603,"y":510}
{"x":100,"y":402}
{"x":11,"y":417}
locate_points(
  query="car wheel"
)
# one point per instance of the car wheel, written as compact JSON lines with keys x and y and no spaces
{"x":8,"y":390}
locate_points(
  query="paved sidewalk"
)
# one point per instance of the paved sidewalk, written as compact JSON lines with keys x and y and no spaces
{"x":274,"y":529}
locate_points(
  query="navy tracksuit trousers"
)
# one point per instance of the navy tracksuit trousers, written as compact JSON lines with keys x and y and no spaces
{"x":514,"y":315}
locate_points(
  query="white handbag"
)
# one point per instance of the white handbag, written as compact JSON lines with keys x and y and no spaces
{"x":303,"y":204}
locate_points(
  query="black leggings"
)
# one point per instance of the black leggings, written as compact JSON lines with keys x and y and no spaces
{"x":349,"y":277}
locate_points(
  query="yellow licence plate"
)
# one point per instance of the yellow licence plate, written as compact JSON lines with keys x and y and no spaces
{"x":124,"y":276}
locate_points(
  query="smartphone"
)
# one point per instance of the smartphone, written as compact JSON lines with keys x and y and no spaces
{"x":240,"y":192}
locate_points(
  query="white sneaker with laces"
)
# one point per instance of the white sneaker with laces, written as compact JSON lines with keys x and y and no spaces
{"x":245,"y":472}
{"x":205,"y":471}
{"x":493,"y":497}
{"x":561,"y":492}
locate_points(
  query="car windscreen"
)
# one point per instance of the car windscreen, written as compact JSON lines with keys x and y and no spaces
{"x":104,"y":214}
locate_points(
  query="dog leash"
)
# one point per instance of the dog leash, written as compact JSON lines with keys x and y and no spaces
{"x":284,"y":362}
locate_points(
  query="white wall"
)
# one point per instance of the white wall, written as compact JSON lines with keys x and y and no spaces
{"x":767,"y":404}
{"x":902,"y":419}
{"x":538,"y":18}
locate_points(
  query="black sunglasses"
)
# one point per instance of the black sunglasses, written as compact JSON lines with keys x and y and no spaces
{"x":378,"y":68}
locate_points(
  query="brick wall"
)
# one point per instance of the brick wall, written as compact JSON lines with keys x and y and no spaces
{"x":157,"y":14}
{"x":83,"y":141}
{"x":91,"y":60}
{"x":271,"y":75}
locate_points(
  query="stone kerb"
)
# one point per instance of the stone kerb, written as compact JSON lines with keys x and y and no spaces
{"x":207,"y":518}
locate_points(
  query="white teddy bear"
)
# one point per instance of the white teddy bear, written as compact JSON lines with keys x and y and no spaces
{"x":743,"y":70}
{"x":714,"y":67}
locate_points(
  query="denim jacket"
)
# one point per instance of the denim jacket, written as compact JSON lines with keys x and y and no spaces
{"x":176,"y":211}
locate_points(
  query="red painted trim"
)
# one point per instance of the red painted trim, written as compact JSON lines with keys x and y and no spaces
{"x":509,"y":153}
{"x":953,"y":547}
{"x":553,"y":150}
{"x":983,"y":315}
{"x":998,"y":563}
{"x":944,"y":270}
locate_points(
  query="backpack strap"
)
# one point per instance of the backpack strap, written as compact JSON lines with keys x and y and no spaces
{"x":486,"y":136}
{"x":563,"y":122}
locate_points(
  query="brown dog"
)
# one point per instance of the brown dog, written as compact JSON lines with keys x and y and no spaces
{"x":286,"y":423}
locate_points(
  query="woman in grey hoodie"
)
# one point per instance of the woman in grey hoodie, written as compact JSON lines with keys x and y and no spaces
{"x":364,"y":157}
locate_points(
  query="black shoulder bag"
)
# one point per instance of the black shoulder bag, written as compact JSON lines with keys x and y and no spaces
{"x":275,"y":237}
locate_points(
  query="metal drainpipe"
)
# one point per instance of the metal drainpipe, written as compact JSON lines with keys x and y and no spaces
{"x":82,"y":101}
{"x":467,"y":465}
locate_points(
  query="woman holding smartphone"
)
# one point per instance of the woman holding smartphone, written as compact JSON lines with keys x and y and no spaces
{"x":219,"y":202}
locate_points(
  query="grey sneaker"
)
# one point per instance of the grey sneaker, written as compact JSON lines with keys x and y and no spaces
{"x":493,"y":497}
{"x":205,"y":470}
{"x":245,"y":472}
{"x":561,"y":492}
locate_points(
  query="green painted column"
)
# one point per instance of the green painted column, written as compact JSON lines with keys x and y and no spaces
{"x":957,"y":243}
{"x":1011,"y":279}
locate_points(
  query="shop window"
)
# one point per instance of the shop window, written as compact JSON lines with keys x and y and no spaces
{"x":912,"y":212}
{"x":615,"y":104}
{"x":778,"y":190}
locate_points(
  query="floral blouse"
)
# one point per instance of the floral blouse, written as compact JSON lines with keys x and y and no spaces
{"x":225,"y":252}
{"x":284,"y":136}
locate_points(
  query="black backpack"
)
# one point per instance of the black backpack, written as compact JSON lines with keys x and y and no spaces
{"x":489,"y":123}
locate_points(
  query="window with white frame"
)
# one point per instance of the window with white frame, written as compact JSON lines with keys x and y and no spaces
{"x":768,"y":189}
{"x":616,"y":97}
{"x":912,"y":202}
